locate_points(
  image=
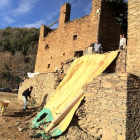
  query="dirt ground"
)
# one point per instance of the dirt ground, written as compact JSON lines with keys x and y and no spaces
{"x":15,"y":124}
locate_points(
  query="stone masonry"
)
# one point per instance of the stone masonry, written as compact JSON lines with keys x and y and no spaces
{"x":119,"y":64}
{"x":111,"y":108}
{"x":133,"y":48}
{"x":57,"y":46}
{"x":43,"y":87}
{"x":104,"y":110}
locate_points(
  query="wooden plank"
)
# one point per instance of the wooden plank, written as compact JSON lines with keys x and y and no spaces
{"x":63,"y":113}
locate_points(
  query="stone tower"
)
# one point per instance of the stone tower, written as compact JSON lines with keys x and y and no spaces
{"x":64,"y":14}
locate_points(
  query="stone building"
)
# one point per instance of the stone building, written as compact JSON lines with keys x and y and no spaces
{"x":57,"y":46}
{"x":111,"y":107}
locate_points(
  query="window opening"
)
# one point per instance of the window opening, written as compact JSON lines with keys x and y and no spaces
{"x":78,"y":53}
{"x":74,"y":37}
{"x":47,"y":47}
{"x":48,"y":66}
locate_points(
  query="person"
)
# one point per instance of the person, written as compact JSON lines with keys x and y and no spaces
{"x":97,"y":47}
{"x":122,"y":42}
{"x":25,"y":95}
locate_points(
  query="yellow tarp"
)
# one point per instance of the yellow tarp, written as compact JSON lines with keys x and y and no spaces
{"x":82,"y":71}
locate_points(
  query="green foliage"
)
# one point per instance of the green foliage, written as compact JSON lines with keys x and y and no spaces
{"x":9,"y":79}
{"x":21,"y":45}
{"x":18,"y":39}
{"x":120,"y":9}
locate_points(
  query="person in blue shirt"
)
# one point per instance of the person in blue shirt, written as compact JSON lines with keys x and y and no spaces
{"x":97,"y":47}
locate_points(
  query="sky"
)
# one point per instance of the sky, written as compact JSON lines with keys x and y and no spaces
{"x":33,"y":13}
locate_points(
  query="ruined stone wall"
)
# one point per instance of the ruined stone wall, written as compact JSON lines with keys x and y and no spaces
{"x":62,"y":45}
{"x":59,"y":45}
{"x":133,"y":47}
{"x":43,"y":87}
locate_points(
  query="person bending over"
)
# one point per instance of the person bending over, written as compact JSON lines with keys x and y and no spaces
{"x":25,"y":95}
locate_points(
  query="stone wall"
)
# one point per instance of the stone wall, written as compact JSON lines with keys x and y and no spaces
{"x":133,"y":45}
{"x":133,"y":108}
{"x":43,"y":87}
{"x":118,"y":64}
{"x":111,"y":107}
{"x":59,"y":45}
{"x":104,"y":109}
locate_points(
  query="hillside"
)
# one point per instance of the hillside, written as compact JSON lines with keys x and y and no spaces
{"x":18,"y":48}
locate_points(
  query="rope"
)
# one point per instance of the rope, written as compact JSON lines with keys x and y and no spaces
{"x":73,"y":2}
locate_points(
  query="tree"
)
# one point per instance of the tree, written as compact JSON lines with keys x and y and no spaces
{"x":18,"y":49}
{"x":120,"y":9}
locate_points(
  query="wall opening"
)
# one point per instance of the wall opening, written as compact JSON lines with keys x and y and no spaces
{"x":78,"y":53}
{"x":47,"y":47}
{"x":63,"y":54}
{"x":74,"y":37}
{"x":51,"y":57}
{"x":48,"y":66}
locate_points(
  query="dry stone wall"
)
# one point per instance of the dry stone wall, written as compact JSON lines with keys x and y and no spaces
{"x":104,"y":109}
{"x":111,"y":107}
{"x":60,"y":44}
{"x":43,"y":87}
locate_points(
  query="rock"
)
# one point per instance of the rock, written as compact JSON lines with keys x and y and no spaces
{"x":20,"y":129}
